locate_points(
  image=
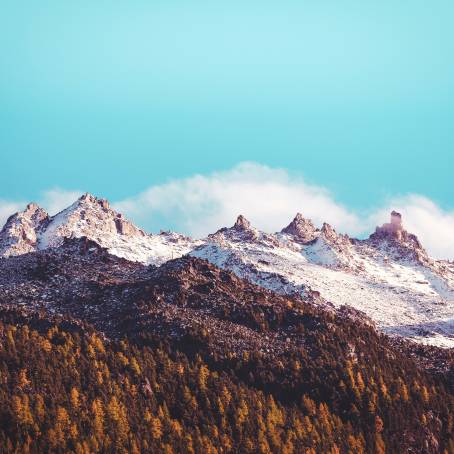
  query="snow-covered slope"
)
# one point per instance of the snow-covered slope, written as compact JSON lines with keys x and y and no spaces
{"x":94,"y":219}
{"x":389,"y":276}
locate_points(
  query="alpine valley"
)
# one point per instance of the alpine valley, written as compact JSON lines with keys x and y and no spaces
{"x":299,"y":341}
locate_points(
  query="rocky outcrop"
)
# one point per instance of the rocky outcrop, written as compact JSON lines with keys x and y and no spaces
{"x":301,"y":229}
{"x":20,"y":233}
{"x":340,"y":241}
{"x":242,"y":230}
{"x":124,"y":227}
{"x":242,"y":223}
{"x":393,"y":234}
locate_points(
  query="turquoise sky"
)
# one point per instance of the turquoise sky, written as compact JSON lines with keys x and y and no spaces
{"x":112,"y":97}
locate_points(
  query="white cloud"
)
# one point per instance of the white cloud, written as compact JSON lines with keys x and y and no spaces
{"x":269,"y":198}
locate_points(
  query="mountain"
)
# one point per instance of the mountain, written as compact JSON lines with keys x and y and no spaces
{"x":102,"y":354}
{"x":388,"y":276}
{"x":33,"y":229}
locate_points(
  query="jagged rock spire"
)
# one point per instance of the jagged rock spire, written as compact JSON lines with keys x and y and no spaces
{"x":394,"y":231}
{"x":393,"y":228}
{"x":90,"y":198}
{"x":328,"y":232}
{"x":242,"y":223}
{"x":301,"y":228}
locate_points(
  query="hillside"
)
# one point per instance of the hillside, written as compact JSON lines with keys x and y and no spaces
{"x":105,"y":355}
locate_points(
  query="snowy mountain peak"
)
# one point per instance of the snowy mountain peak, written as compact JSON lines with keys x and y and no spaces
{"x":93,"y":218}
{"x":90,"y":199}
{"x":18,"y":236}
{"x":328,"y":233}
{"x":32,"y":209}
{"x":242,"y":230}
{"x":301,"y":229}
{"x":90,"y":217}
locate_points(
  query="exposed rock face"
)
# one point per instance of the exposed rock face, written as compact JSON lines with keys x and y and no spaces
{"x":242,"y":230}
{"x":301,"y":229}
{"x":124,"y":227}
{"x":93,"y":218}
{"x":90,"y":217}
{"x":329,"y":233}
{"x":342,"y":242}
{"x":19,"y":235}
{"x":242,"y":223}
{"x":405,"y":243}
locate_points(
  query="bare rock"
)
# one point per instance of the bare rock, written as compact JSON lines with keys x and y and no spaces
{"x":242,"y":223}
{"x":301,"y":229}
{"x":19,"y":235}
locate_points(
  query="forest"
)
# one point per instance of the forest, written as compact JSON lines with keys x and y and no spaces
{"x":65,"y":388}
{"x":101,"y":355}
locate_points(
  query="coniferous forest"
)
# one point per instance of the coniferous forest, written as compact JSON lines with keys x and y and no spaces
{"x":187,"y":358}
{"x":71,"y":391}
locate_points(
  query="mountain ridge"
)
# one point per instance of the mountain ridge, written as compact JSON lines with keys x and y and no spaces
{"x":389,"y":276}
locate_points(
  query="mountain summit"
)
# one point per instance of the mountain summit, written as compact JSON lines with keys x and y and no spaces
{"x":21,"y":231}
{"x":242,"y":223}
{"x":301,"y":228}
{"x":407,"y":244}
{"x":91,"y":217}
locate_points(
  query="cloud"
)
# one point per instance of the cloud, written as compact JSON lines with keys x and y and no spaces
{"x":269,"y":198}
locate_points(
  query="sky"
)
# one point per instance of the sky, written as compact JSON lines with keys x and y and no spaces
{"x":353,"y":100}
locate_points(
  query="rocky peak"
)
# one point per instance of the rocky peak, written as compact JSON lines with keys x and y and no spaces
{"x":301,"y":228}
{"x":90,"y":217}
{"x":242,"y":230}
{"x":19,"y":235}
{"x":329,"y":233}
{"x":91,"y":205}
{"x":338,"y":244}
{"x":394,"y":233}
{"x":394,"y":230}
{"x":242,"y":223}
{"x":89,"y":199}
{"x":32,"y":208}
{"x":34,"y":215}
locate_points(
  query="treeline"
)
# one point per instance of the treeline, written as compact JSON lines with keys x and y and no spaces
{"x":74,"y":392}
